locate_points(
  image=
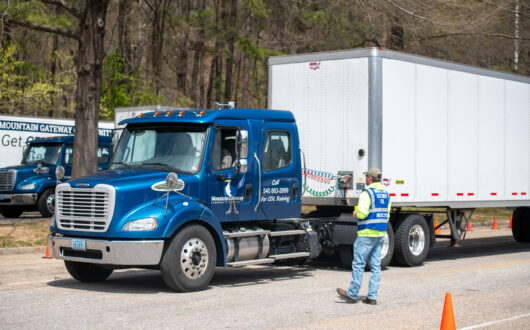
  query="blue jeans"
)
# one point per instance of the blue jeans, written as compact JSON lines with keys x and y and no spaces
{"x":363,"y":248}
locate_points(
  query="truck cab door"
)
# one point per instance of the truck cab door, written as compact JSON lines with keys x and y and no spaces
{"x":230,"y":184}
{"x":280,"y":171}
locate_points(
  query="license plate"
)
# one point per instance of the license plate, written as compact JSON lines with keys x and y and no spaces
{"x":79,"y":244}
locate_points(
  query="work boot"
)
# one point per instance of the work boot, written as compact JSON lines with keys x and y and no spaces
{"x":344,"y":296}
{"x":370,"y":301}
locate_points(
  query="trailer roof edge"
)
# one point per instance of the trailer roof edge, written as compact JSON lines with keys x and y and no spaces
{"x":394,"y":55}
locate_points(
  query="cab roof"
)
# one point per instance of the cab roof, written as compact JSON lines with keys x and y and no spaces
{"x":208,"y":116}
{"x":65,"y":139}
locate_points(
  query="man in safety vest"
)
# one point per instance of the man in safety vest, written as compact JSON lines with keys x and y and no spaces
{"x":372,"y":213}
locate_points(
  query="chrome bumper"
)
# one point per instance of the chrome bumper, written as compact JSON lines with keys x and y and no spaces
{"x":126,"y":253}
{"x":19,"y":199}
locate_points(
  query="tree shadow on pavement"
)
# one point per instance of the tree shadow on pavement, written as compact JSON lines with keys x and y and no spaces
{"x":139,"y":281}
{"x":256,"y":275}
{"x":133,"y":281}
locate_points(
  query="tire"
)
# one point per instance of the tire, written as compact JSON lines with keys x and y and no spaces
{"x":11,"y":211}
{"x":346,"y":252}
{"x":86,"y":272}
{"x":518,"y":220}
{"x":525,"y":225}
{"x":46,"y":203}
{"x":189,"y":261}
{"x":412,"y":239}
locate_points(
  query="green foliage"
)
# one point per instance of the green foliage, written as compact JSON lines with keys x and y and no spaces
{"x":121,"y":89}
{"x":27,"y":87}
{"x":258,"y":8}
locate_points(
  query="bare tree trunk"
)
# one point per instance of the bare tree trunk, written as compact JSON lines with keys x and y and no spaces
{"x":124,"y":36}
{"x":231,"y":25}
{"x":245,"y":67}
{"x":182,"y":55}
{"x":89,"y":69}
{"x":516,"y":38}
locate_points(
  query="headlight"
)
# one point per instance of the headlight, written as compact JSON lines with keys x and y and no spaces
{"x":30,"y":186}
{"x":146,"y":224}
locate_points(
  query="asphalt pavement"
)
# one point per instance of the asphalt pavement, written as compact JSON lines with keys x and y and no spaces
{"x":488,"y":278}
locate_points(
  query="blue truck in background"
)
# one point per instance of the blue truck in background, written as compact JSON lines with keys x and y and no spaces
{"x":31,"y":184}
{"x":188,"y":191}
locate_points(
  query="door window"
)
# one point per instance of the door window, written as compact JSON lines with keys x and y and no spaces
{"x":103,"y":155}
{"x":224,"y":149}
{"x":277,"y":151}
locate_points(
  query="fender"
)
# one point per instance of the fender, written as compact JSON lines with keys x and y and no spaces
{"x":41,"y":183}
{"x":199,"y":213}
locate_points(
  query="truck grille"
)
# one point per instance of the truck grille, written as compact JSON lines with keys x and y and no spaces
{"x":84,"y":209}
{"x":7,"y":180}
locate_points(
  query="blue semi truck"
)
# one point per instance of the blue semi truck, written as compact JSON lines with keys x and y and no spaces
{"x":188,"y":191}
{"x":31,"y":184}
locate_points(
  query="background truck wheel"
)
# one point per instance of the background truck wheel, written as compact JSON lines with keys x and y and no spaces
{"x":521,"y":224}
{"x":189,"y":262}
{"x":11,"y":211}
{"x":346,"y":251}
{"x":85,"y":272}
{"x":412,"y":239}
{"x":46,"y":203}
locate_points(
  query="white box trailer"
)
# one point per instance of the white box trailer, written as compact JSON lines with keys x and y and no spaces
{"x":444,"y":134}
{"x":17,"y":131}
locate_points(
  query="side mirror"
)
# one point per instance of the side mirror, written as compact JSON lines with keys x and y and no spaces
{"x":242,"y":151}
{"x":59,"y":173}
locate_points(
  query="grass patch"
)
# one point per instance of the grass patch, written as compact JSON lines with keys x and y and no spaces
{"x":27,"y":233}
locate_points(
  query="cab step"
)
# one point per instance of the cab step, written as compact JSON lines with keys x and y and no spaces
{"x":290,"y":255}
{"x":250,"y":262}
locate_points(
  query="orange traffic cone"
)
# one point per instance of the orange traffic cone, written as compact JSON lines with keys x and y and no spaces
{"x":511,"y":218}
{"x":437,"y":230}
{"x":469,"y":226}
{"x":448,"y":317}
{"x":495,"y":226}
{"x":47,"y":255}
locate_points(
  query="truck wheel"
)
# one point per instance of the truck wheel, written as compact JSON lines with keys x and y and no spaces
{"x":85,"y":272}
{"x":189,"y":262}
{"x":346,"y":251}
{"x":412,"y":240}
{"x":46,"y":203}
{"x":11,"y":211}
{"x":518,"y":220}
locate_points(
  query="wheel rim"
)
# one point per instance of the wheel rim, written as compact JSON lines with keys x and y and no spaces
{"x":194,"y":258}
{"x":50,"y":203}
{"x":384,"y":248}
{"x":416,"y":240}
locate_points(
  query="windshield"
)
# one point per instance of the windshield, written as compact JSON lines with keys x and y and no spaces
{"x":171,"y":148}
{"x":47,"y":154}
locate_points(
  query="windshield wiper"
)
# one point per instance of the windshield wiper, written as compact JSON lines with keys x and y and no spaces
{"x":161,"y":165}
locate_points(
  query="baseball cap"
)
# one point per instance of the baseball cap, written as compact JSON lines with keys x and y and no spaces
{"x":373,"y":172}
